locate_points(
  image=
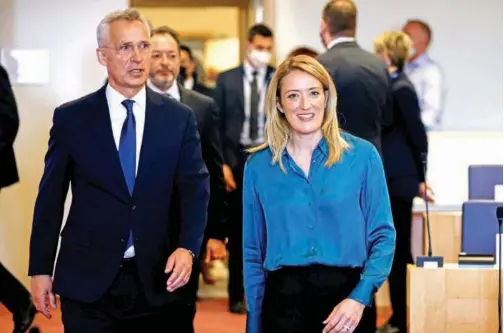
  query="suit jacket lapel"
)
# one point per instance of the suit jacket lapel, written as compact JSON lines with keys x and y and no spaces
{"x":269,"y":74}
{"x":238,"y":79}
{"x":183,"y":94}
{"x":105,"y":147}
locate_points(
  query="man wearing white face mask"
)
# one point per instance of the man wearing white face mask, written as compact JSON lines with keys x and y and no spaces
{"x":240,"y":95}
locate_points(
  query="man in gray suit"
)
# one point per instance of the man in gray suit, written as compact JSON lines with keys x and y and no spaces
{"x":362,"y":79}
{"x":165,"y":68}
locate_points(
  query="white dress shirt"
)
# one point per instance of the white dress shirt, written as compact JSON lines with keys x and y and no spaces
{"x":117,"y":113}
{"x":173,"y":91}
{"x":261,"y":88}
{"x":428,"y":79}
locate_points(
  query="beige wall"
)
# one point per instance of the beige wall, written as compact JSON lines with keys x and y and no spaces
{"x":66,"y":28}
{"x":212,"y":21}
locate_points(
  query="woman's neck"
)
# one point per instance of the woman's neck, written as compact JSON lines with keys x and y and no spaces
{"x":302,"y":144}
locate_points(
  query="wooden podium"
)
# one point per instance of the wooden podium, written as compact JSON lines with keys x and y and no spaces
{"x":452,"y":299}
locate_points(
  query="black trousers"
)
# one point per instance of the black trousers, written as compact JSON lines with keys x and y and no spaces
{"x":402,"y":214}
{"x":299,"y":299}
{"x":186,"y":322}
{"x":123,"y":309}
{"x":235,"y":241}
{"x":13,"y":294}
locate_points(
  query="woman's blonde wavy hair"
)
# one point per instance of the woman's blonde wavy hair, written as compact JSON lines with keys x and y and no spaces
{"x":277,"y":129}
{"x":396,"y":44}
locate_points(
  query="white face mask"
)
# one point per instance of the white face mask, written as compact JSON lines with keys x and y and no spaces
{"x":259,"y":58}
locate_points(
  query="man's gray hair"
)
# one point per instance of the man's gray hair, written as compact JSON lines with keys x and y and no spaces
{"x":130,"y":14}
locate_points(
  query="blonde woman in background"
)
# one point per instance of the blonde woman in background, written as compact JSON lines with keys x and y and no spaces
{"x":318,"y":231}
{"x":404,"y":145}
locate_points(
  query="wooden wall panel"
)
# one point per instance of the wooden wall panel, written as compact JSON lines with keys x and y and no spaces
{"x":452,"y":300}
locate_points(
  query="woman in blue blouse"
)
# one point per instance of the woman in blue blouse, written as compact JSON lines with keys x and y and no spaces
{"x":318,"y":232}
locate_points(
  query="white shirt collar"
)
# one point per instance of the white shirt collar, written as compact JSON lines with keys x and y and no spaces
{"x":115,"y":98}
{"x":339,"y":40}
{"x":173,"y":90}
{"x":249,"y":69}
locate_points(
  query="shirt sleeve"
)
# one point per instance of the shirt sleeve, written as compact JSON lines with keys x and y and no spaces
{"x":380,"y":236}
{"x":254,"y":245}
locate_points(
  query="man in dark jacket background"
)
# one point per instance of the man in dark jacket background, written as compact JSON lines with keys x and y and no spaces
{"x":12,"y":293}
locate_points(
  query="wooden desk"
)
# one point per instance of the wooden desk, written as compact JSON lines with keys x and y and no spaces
{"x":452,"y":299}
{"x":446,"y":234}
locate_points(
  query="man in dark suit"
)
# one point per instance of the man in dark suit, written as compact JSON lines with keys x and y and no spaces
{"x":124,"y":149}
{"x":240,"y":96}
{"x":361,"y":78}
{"x":165,"y":67}
{"x":188,"y":73}
{"x":12,"y":293}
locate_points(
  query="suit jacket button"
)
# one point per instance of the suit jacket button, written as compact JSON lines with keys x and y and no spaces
{"x":123,"y":240}
{"x":133,"y":207}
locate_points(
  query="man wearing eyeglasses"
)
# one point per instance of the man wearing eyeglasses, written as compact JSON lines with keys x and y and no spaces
{"x":123,"y":149}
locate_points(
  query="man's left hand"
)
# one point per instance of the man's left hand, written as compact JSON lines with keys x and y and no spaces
{"x":180,"y":265}
{"x":345,"y":317}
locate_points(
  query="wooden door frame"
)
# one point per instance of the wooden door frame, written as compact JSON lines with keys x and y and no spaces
{"x":243,"y":12}
{"x":189,"y":3}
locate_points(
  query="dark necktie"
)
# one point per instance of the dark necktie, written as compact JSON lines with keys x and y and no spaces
{"x":254,"y":108}
{"x":127,"y":150}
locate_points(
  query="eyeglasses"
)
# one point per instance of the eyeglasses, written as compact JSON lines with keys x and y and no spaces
{"x":127,"y":49}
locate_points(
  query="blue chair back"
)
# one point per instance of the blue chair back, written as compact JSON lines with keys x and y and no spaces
{"x":479,"y":226}
{"x":482,"y":181}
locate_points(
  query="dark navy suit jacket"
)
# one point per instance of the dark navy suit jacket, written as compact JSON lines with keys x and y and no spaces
{"x":9,"y":126}
{"x":404,"y":141}
{"x":82,"y":152}
{"x":230,"y":98}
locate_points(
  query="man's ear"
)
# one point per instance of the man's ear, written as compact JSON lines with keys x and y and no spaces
{"x":102,"y":57}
